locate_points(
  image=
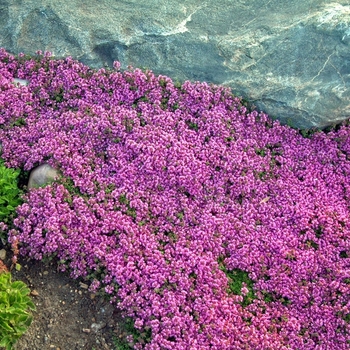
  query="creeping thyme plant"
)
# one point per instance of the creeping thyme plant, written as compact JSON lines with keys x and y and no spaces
{"x":209,"y":224}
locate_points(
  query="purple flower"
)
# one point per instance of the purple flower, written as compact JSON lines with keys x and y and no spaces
{"x":170,"y":194}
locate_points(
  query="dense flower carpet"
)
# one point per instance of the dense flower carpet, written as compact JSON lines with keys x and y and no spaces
{"x":210,"y":224}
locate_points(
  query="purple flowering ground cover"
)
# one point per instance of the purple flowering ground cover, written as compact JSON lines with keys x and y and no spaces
{"x":211,"y":225}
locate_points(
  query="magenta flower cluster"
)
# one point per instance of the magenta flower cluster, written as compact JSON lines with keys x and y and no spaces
{"x":166,"y":188}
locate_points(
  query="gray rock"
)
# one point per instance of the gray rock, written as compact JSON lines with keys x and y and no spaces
{"x":42,"y":175}
{"x":20,"y":82}
{"x":290,"y":58}
{"x":2,"y":254}
{"x":96,"y":327}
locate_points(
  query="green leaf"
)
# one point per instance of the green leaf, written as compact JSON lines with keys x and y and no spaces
{"x":5,"y":341}
{"x":29,"y":319}
{"x":10,"y":194}
{"x":17,"y":284}
{"x":29,"y":304}
{"x":14,"y":305}
{"x":5,"y":279}
{"x":20,"y":329}
{"x":5,"y":325}
{"x":22,"y":288}
{"x":23,"y":318}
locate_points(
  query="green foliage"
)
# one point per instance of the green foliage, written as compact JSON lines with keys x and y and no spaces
{"x":18,"y":122}
{"x":128,"y":329}
{"x":129,"y":210}
{"x":343,"y":254}
{"x":260,"y":152}
{"x":15,"y":305}
{"x":123,"y":199}
{"x":346,"y":318}
{"x":290,"y":123}
{"x":129,"y":124}
{"x":57,"y":95}
{"x":10,"y":194}
{"x":68,"y":184}
{"x":307,"y":133}
{"x":192,"y":126}
{"x":236,"y":278}
{"x":178,"y":84}
{"x":121,"y":344}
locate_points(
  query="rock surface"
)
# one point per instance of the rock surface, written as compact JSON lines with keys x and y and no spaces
{"x":290,"y":58}
{"x":41,"y":176}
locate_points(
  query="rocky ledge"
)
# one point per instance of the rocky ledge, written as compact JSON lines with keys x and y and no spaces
{"x":290,"y":58}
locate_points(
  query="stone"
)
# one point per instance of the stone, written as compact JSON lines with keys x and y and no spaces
{"x":22,"y":82}
{"x":290,"y":58}
{"x":42,"y":175}
{"x":96,"y":327}
{"x":83,"y":285}
{"x":2,"y":254}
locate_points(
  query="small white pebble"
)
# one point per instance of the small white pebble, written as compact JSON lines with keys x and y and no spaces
{"x":23,"y":82}
{"x":83,"y":285}
{"x":2,"y":254}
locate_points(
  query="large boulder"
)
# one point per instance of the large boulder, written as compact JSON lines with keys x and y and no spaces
{"x":290,"y":58}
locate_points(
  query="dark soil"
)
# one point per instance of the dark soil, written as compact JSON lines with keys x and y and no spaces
{"x":67,"y":316}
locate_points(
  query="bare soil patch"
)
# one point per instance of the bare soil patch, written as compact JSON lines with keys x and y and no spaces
{"x":67,"y":316}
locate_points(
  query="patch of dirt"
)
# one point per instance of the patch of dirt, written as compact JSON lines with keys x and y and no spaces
{"x":67,"y":316}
